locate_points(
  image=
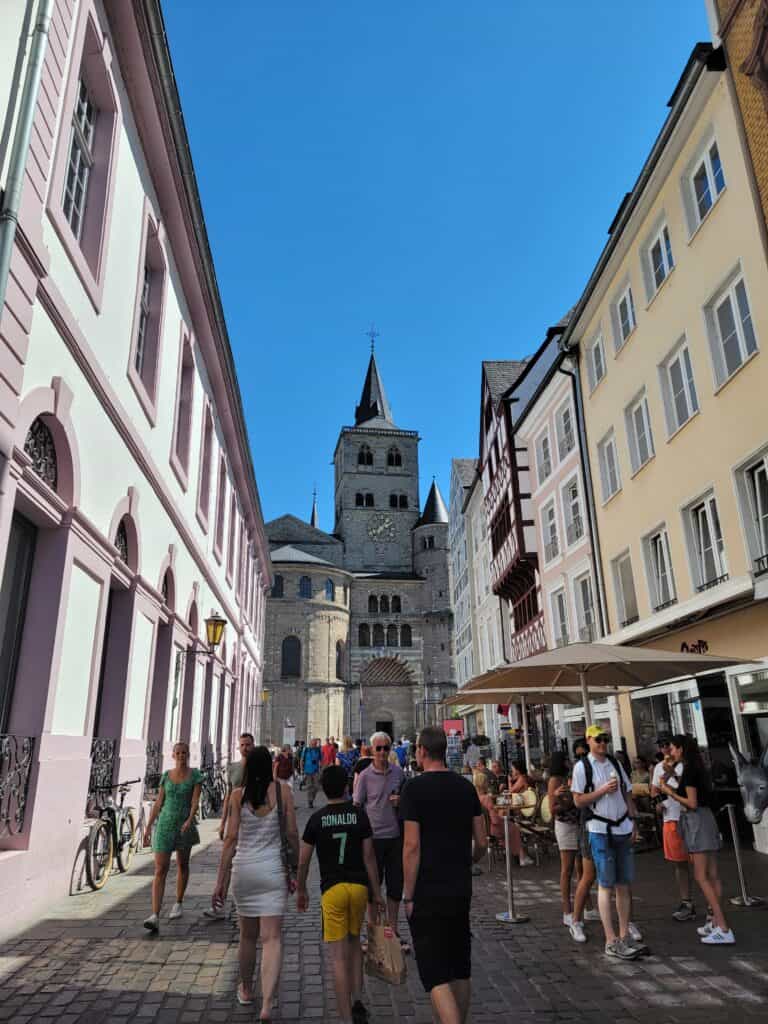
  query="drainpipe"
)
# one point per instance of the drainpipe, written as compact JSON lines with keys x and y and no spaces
{"x":9,"y":214}
{"x":597,"y":561}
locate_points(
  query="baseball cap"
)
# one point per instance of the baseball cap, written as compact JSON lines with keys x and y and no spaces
{"x":596,"y":730}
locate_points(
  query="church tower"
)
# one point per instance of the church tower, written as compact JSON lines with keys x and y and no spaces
{"x":376,"y":484}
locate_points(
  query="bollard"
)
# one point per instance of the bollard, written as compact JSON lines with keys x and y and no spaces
{"x":744,"y":900}
{"x":509,"y":916}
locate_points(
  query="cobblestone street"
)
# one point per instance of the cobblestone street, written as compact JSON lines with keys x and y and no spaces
{"x":88,"y":961}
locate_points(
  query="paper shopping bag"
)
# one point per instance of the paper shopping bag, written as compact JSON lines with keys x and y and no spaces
{"x":384,"y":958}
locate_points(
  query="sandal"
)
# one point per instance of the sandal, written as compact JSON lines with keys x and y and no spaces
{"x":241,"y":999}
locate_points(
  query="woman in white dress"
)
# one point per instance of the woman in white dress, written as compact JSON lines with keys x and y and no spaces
{"x":252,"y":849}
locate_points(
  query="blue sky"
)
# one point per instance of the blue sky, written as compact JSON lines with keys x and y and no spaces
{"x":447,"y":170}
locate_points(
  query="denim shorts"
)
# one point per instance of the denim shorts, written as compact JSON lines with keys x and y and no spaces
{"x":614,"y":859}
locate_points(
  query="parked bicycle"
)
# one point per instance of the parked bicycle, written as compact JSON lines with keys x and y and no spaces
{"x":112,"y":836}
{"x":214,"y":790}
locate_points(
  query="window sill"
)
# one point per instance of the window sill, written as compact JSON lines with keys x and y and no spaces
{"x":736,"y":372}
{"x":146,"y":401}
{"x":202,"y":519}
{"x":179,"y":471}
{"x":217,"y":552}
{"x":594,"y":389}
{"x":659,"y":289}
{"x":682,"y":426}
{"x":707,"y":215}
{"x":624,"y":343}
{"x":609,"y":499}
{"x":640,"y":469}
{"x":92,"y":283}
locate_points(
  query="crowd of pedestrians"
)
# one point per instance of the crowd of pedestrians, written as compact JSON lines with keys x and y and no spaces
{"x":398,"y":827}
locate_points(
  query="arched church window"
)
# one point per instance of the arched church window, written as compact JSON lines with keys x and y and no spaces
{"x":369,"y":500}
{"x":373,"y":605}
{"x":384,"y":604}
{"x":330,"y":590}
{"x":378,"y":635}
{"x":406,"y":639}
{"x":359,"y":500}
{"x":121,"y":541}
{"x":40,"y":447}
{"x":394,"y":458}
{"x":290,"y":662}
{"x":393,"y":501}
{"x":305,"y":587}
{"x":363,"y":635}
{"x":278,"y":587}
{"x":339,"y":659}
{"x":397,"y":605}
{"x":391,"y":636}
{"x":365,"y":456}
{"x":403,"y":501}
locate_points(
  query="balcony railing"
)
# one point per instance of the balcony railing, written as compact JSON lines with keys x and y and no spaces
{"x":15,"y":770}
{"x":566,"y":444}
{"x":102,"y":767}
{"x":562,"y":641}
{"x":530,"y":639}
{"x":587,"y":633}
{"x":551,"y":550}
{"x":761,"y":565}
{"x":665,"y":604}
{"x":708,"y":584}
{"x":575,"y":529}
{"x":630,"y":621}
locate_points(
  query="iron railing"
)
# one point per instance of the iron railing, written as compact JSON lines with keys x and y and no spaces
{"x":15,"y":770}
{"x":714,"y":582}
{"x":761,"y":565}
{"x":630,"y":621}
{"x":665,"y":604}
{"x":153,"y":770}
{"x":587,"y":633}
{"x":102,"y":767}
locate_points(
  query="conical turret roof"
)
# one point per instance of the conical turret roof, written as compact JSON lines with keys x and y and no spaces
{"x":435,"y":511}
{"x":373,"y":401}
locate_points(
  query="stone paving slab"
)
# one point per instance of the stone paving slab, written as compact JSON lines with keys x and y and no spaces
{"x":89,"y":961}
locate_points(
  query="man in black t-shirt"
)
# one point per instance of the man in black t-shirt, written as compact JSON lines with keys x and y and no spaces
{"x":342,"y":836}
{"x":442,"y":819}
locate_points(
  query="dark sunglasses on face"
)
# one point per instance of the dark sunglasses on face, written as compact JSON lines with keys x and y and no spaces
{"x":382,"y":748}
{"x":603,"y":738}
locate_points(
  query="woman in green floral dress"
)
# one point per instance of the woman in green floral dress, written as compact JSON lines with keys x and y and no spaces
{"x":175,"y":811}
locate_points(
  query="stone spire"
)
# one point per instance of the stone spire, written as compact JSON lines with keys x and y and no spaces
{"x":373,"y":401}
{"x":314,"y":519}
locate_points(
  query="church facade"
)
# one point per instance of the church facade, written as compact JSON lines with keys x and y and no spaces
{"x":359,"y":622}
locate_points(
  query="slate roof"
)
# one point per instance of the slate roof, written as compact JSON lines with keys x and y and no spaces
{"x":373,"y":401}
{"x":434,"y":509}
{"x":501,"y":374}
{"x":292,"y":530}
{"x":465,"y":470}
{"x":287,"y":553}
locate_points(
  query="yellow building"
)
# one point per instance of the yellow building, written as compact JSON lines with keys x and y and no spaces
{"x":671,"y":332}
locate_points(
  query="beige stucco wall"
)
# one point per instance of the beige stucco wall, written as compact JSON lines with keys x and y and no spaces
{"x":732,"y":422}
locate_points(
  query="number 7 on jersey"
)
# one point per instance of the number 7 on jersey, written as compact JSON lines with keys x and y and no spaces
{"x":342,"y":837}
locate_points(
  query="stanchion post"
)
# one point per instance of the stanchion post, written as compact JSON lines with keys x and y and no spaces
{"x":744,"y":900}
{"x":509,"y":916}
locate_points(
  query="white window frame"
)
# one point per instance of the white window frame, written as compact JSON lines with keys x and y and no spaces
{"x":618,"y":588}
{"x":571,"y":536}
{"x":687,"y":391}
{"x":608,"y":443}
{"x":620,"y":338}
{"x":753,"y":504}
{"x":558,"y":601}
{"x":549,"y":531}
{"x":639,"y":405}
{"x":667,"y":264}
{"x":543,"y":463}
{"x":704,"y":160}
{"x":563,"y":435}
{"x":585,"y":616}
{"x":594,"y":378}
{"x":702,"y":524}
{"x":80,"y":160}
{"x":729,"y":293}
{"x":658,"y":565}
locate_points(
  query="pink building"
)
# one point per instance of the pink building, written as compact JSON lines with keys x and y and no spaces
{"x":128,"y":503}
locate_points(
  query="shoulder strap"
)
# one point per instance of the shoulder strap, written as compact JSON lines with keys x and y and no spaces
{"x":619,"y":772}
{"x":589,"y":783}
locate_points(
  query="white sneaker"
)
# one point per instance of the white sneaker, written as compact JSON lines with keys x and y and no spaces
{"x":707,"y":927}
{"x":176,"y":911}
{"x":717,"y":937}
{"x":152,"y":923}
{"x":567,"y":920}
{"x":577,"y":932}
{"x":591,"y":915}
{"x":525,"y":861}
{"x":215,"y":913}
{"x":634,"y":932}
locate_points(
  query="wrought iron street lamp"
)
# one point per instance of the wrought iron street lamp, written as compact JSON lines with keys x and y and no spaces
{"x":214,"y":630}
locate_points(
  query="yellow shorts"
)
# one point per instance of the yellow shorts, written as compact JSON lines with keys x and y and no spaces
{"x":343,"y":907}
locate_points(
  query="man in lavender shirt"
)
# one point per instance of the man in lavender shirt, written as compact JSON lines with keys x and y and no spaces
{"x":377,"y":790}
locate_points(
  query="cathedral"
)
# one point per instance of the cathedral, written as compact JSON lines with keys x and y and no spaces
{"x":359,"y":621}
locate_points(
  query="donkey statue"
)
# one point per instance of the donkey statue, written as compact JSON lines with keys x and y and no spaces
{"x":753,"y":783}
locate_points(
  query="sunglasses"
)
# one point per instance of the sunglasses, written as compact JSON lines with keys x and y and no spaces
{"x":603,"y":738}
{"x":382,"y":748}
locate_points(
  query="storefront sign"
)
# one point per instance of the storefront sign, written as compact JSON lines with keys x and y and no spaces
{"x":695,"y":647}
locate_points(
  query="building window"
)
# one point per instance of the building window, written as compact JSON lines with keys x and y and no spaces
{"x":756,"y":477}
{"x":121,"y":541}
{"x":659,"y":563}
{"x":708,"y":548}
{"x":378,"y":635}
{"x":707,"y":181}
{"x":732,"y":333}
{"x":543,"y":458}
{"x":574,"y":521}
{"x":363,"y":635}
{"x":81,"y":159}
{"x":359,"y":500}
{"x":373,"y":604}
{"x":566,"y":438}
{"x":406,"y":637}
{"x":638,"y":422}
{"x":232,"y":536}
{"x":397,"y":606}
{"x":221,"y":506}
{"x":40,"y":447}
{"x":678,"y":389}
{"x":403,"y":501}
{"x":501,"y":526}
{"x":148,"y":315}
{"x":206,"y":455}
{"x":290,"y":664}
{"x":369,"y":500}
{"x":430,"y":543}
{"x":393,"y":501}
{"x":585,"y":609}
{"x":624,"y":586}
{"x":660,"y":255}
{"x":596,"y":362}
{"x":624,"y":313}
{"x":184,"y":399}
{"x":549,"y":531}
{"x":278,"y":587}
{"x":305,"y":586}
{"x":609,"y":466}
{"x":330,"y":590}
{"x":392,"y":636}
{"x":384,"y":604}
{"x":365,"y":456}
{"x":340,"y":659}
{"x":560,"y":617}
{"x":394,"y":458}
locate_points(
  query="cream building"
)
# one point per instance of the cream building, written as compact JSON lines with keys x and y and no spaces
{"x":671,"y":332}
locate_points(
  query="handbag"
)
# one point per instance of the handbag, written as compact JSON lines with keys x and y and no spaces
{"x":384,"y":957}
{"x":287,"y":853}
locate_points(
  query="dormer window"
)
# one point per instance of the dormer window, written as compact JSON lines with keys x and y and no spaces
{"x":365,"y":456}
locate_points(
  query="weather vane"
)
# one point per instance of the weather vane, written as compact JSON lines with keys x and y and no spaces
{"x":373,"y":334}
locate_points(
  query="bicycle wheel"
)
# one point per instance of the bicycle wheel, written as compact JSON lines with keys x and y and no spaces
{"x":126,"y":831}
{"x":206,"y":803}
{"x":98,"y":861}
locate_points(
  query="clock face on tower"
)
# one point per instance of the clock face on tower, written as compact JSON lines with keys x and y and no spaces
{"x":381,"y":527}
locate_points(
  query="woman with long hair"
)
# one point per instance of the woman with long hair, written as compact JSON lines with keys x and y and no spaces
{"x":175,"y":811}
{"x":567,"y":817}
{"x":480,"y":782}
{"x":347,"y":756}
{"x":518,"y":778}
{"x":260,"y":884}
{"x":700,"y":833}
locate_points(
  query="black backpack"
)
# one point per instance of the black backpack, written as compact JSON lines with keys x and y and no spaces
{"x":589,"y":787}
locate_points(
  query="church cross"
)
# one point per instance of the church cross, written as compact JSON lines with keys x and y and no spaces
{"x":373,"y":334}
